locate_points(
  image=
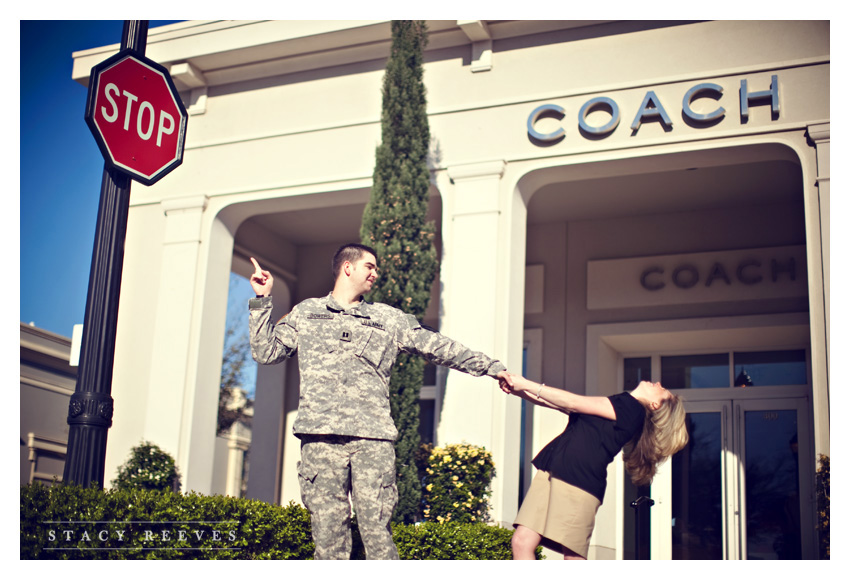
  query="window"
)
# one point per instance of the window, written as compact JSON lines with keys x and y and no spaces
{"x":636,"y":370}
{"x":699,"y":371}
{"x":748,"y":369}
{"x":47,"y":458}
{"x":770,"y":368}
{"x":428,"y":404}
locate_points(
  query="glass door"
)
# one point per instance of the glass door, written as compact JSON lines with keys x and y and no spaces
{"x":703,"y":512}
{"x":769,"y":436}
{"x":737,"y":491}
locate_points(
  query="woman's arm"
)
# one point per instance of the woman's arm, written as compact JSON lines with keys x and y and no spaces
{"x":536,"y":401}
{"x":560,"y":399}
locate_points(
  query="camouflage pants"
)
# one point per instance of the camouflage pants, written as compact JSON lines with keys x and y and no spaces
{"x":330,"y":467}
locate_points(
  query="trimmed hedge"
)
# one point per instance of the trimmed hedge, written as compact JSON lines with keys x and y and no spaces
{"x":147,"y":524}
{"x":71,"y":522}
{"x":448,"y":541}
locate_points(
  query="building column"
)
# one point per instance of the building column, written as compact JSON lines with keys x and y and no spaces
{"x":819,"y":136}
{"x":270,"y":454}
{"x":482,"y":267}
{"x":237,"y":445}
{"x":171,"y":408}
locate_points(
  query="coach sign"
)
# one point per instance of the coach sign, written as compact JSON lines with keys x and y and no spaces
{"x":652,"y":110}
{"x":756,"y":274}
{"x":136,"y":116}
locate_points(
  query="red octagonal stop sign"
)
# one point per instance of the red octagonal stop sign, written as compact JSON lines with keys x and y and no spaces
{"x":136,"y":116}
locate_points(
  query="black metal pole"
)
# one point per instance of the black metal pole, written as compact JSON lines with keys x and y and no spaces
{"x":640,"y":552}
{"x":90,"y":408}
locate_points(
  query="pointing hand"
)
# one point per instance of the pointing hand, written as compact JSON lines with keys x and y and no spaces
{"x":261,"y":280}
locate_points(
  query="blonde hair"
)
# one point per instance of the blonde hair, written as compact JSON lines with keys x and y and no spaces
{"x":664,"y":433}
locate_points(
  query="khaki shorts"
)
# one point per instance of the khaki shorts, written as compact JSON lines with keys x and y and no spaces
{"x":560,"y":512}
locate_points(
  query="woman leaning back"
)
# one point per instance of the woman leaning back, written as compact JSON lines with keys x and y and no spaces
{"x":559,"y":510}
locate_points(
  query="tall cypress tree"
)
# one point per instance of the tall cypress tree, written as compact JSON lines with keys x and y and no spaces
{"x":394,"y":224}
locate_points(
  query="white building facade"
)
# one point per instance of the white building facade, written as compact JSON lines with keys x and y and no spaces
{"x":614,"y":201}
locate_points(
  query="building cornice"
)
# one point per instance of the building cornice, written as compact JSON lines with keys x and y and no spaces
{"x":224,"y":52}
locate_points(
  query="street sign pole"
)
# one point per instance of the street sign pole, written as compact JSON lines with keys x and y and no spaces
{"x":90,"y":408}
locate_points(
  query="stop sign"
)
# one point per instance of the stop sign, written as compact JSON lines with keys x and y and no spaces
{"x":136,"y":116}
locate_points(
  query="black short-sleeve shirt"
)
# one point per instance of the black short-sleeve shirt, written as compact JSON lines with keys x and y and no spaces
{"x":581,"y":454}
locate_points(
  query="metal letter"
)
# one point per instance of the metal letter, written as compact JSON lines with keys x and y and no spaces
{"x":599,"y":102}
{"x":697,"y":92}
{"x":748,"y":280}
{"x":717,"y":271}
{"x":788,"y":267}
{"x":651,"y":108}
{"x":772,"y":93}
{"x":645,"y":275}
{"x":688,"y":283}
{"x":553,"y":110}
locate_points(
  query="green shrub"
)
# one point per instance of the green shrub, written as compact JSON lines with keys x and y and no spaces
{"x":148,"y":467}
{"x":457,"y":485}
{"x":446,"y":541}
{"x":86,"y":524}
{"x":453,"y":541}
{"x":71,"y":522}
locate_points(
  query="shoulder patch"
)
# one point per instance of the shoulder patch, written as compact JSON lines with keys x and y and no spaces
{"x":412,"y":321}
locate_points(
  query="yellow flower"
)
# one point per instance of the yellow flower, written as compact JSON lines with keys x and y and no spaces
{"x":429,"y":487}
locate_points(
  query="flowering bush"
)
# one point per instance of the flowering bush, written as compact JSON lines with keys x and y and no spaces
{"x":457,"y":484}
{"x":148,"y":467}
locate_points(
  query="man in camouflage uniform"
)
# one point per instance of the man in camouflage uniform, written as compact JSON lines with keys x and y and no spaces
{"x":346,"y":349}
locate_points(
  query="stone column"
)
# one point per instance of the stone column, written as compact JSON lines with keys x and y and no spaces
{"x":480,"y":248}
{"x":238,"y":443}
{"x":171,"y":408}
{"x":819,"y":136}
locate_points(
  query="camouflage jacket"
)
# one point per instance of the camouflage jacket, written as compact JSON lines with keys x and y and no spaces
{"x":345,"y":358}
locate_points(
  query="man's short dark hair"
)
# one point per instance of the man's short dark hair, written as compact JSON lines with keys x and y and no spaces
{"x":350,"y":253}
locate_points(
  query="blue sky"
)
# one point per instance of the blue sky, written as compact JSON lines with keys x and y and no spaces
{"x":60,"y":171}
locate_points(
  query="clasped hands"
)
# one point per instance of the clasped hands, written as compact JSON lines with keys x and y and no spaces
{"x":512,"y":384}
